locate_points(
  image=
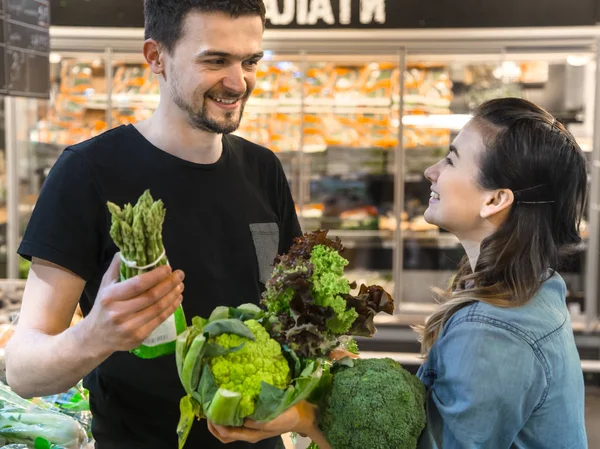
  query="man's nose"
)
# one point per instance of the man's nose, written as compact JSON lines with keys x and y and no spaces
{"x":235,"y":80}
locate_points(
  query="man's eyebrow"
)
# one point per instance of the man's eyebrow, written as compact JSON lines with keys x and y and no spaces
{"x":453,"y":149}
{"x":224,"y":54}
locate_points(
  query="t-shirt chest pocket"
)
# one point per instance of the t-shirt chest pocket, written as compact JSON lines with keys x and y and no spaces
{"x":266,"y":245}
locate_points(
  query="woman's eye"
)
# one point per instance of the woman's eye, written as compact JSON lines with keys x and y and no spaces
{"x":448,"y":161}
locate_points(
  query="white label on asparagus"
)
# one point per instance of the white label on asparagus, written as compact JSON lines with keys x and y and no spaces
{"x":165,"y":333}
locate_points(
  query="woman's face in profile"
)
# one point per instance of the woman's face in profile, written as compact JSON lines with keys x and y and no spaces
{"x":456,"y":197}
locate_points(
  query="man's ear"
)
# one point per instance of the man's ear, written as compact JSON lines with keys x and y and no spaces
{"x":496,"y":202}
{"x":154,"y":56}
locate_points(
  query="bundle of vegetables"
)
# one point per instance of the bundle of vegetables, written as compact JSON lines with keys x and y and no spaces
{"x":246,"y":362}
{"x":231,"y":369}
{"x":137,"y":232}
{"x":309,"y":302}
{"x":372,"y":403}
{"x":36,"y":427}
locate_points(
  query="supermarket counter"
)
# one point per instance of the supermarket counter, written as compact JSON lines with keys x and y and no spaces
{"x":396,"y":339}
{"x":413,"y":359}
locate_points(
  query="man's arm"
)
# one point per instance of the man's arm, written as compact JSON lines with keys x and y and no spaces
{"x":45,"y":356}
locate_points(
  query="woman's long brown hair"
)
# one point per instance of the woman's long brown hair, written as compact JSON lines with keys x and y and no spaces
{"x":529,"y":152}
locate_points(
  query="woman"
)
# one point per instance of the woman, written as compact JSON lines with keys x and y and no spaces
{"x":502,"y":369}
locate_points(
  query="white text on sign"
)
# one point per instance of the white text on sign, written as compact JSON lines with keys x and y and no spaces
{"x":309,"y":12}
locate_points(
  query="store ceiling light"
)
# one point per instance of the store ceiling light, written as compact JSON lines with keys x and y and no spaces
{"x":55,"y":58}
{"x":578,"y":60}
{"x":440,"y":121}
{"x":509,"y":70}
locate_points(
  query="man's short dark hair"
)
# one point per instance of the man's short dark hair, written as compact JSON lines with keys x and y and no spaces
{"x":164,"y":18}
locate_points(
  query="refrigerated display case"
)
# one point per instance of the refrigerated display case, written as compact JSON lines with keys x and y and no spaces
{"x":355,"y":117}
{"x":37,"y":131}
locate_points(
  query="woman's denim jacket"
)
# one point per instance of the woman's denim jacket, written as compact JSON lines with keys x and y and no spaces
{"x":500,"y":378}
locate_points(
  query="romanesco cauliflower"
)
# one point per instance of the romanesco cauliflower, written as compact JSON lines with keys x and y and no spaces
{"x":244,"y":371}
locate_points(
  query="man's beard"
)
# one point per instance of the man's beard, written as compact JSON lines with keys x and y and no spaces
{"x":201,"y":119}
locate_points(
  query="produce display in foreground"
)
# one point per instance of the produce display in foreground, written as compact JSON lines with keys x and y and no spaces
{"x":37,"y":425}
{"x":246,"y":362}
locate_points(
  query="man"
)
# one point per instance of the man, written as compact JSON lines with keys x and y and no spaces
{"x":229,"y":211}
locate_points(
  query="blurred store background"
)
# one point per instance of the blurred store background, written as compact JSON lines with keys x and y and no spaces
{"x":356,"y":101}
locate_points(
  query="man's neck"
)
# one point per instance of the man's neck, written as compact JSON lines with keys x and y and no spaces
{"x":169,"y":130}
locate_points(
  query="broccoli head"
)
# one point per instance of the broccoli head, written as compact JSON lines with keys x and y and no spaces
{"x":376,"y":404}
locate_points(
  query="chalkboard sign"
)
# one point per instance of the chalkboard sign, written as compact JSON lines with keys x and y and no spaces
{"x":25,"y":48}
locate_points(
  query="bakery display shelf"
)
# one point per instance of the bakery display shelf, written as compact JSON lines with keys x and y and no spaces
{"x":386,"y":237}
{"x":100,"y":101}
{"x":428,"y":239}
{"x":345,"y":234}
{"x":366,"y":244}
{"x":414,"y":177}
{"x":442,"y":239}
{"x":445,"y":121}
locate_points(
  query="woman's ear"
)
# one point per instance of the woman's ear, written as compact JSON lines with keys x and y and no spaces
{"x":153,"y":54}
{"x":496,"y":202}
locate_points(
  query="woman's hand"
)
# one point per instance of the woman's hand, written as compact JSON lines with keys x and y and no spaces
{"x":302,"y":419}
{"x":340,"y":353}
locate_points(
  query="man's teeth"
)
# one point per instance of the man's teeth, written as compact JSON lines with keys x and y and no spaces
{"x":221,"y":100}
{"x":435,"y":196}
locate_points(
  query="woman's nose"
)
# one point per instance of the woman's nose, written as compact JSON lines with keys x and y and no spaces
{"x":431,"y":173}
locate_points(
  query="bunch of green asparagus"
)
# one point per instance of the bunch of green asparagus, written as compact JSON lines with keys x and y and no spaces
{"x":137,"y":231}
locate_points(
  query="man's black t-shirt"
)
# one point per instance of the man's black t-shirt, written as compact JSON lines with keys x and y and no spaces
{"x":225,"y":224}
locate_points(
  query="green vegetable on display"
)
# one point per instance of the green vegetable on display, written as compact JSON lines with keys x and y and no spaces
{"x":74,"y":403}
{"x":137,"y":232}
{"x":25,"y":422}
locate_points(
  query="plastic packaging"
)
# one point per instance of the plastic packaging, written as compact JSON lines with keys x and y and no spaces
{"x":36,"y":425}
{"x":74,"y":403}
